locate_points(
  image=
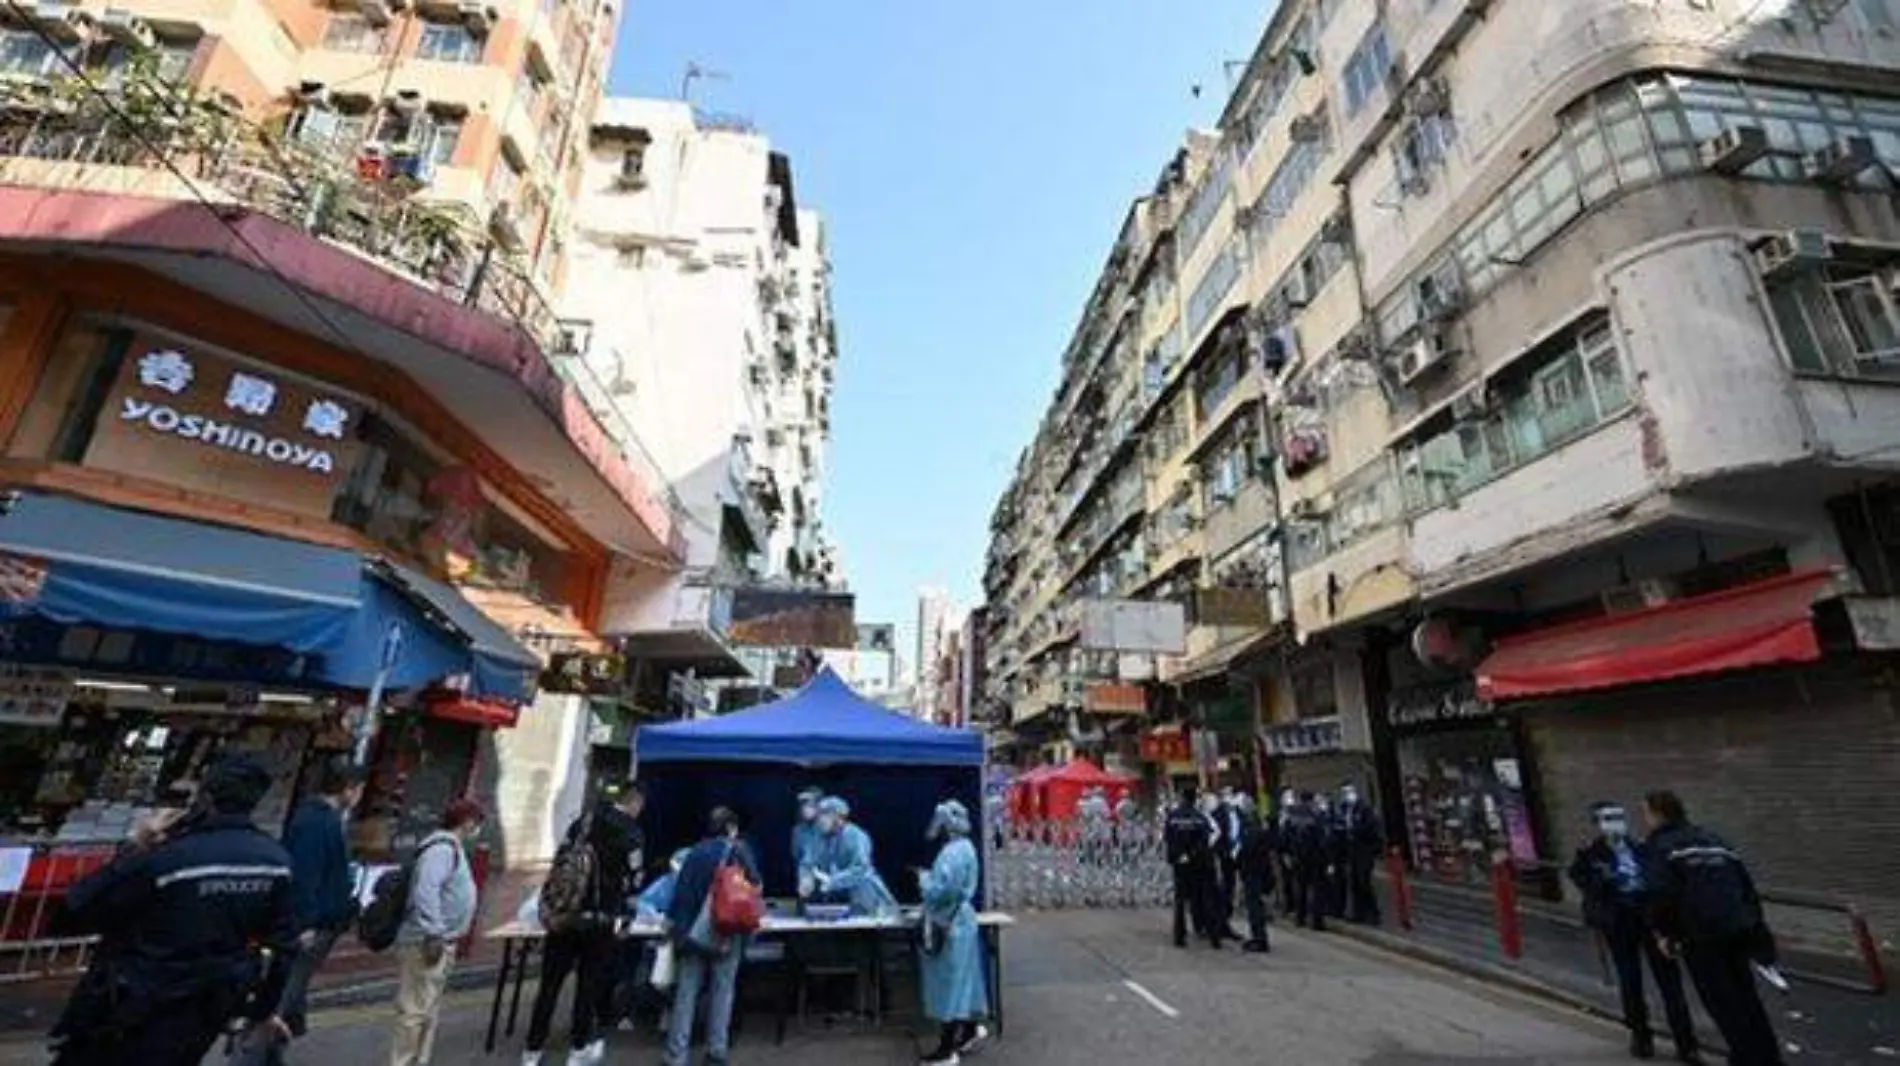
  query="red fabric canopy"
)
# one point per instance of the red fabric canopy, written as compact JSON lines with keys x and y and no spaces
{"x":1757,"y":624}
{"x":474,"y":712}
{"x":1063,"y":789}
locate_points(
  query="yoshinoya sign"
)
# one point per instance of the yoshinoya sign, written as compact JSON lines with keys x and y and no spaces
{"x":1433,"y":704}
{"x":204,"y":421}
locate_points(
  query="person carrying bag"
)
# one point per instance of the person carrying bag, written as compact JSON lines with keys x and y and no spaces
{"x":717,"y":903}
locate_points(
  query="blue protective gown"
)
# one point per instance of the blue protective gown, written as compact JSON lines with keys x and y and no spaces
{"x":807,"y":842}
{"x":954,"y":979}
{"x":846,"y":857}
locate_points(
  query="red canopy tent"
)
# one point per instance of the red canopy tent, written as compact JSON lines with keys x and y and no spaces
{"x":1063,"y":789}
{"x":1026,"y":796}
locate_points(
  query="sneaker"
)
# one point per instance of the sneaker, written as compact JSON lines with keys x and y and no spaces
{"x":942,"y":1058}
{"x":592,"y":1055}
{"x":531,"y":1058}
{"x":978,"y":1037}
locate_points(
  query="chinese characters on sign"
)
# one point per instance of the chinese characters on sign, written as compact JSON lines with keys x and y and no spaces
{"x":1316,"y":737}
{"x":225,"y":427}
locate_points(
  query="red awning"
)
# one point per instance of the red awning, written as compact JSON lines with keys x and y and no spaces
{"x":1758,"y":624}
{"x":474,"y":712}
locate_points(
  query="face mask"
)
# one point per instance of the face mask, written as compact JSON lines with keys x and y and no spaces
{"x":1613,"y":824}
{"x":808,"y":811}
{"x":829,"y":823}
{"x":1320,"y":805}
{"x":1348,"y":796}
{"x":1208,"y":803}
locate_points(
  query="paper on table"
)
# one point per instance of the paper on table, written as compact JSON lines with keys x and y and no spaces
{"x":13,"y":866}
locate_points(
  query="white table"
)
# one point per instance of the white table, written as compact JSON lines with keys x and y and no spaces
{"x":519,"y":940}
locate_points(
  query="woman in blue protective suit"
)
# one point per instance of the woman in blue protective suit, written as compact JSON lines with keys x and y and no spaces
{"x":842,"y":868}
{"x":954,"y":986}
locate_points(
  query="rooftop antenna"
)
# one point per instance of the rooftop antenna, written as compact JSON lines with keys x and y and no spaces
{"x":695,"y":72}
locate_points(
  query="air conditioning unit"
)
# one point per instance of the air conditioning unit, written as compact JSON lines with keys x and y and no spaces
{"x":407,"y":101}
{"x":313,"y":94}
{"x":478,"y":17}
{"x":1427,"y":351}
{"x":1472,"y":404}
{"x":128,"y":29}
{"x":63,"y":22}
{"x":1734,"y":149}
{"x":1791,"y":252}
{"x":1429,"y":97}
{"x":1293,"y":293}
{"x":1307,"y":129}
{"x":1336,"y":230}
{"x":1841,"y":161}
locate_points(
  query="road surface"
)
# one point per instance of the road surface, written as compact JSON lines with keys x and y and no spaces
{"x":1096,"y":988}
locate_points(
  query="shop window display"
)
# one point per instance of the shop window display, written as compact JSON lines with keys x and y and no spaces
{"x":1465,"y":803}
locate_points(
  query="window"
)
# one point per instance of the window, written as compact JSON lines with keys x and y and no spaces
{"x":1205,"y":203}
{"x":445,"y":133}
{"x":322,"y":128}
{"x":1878,"y":14}
{"x":1213,"y":288}
{"x":1365,"y":502}
{"x":1366,"y":70}
{"x":349,"y":32}
{"x":1843,"y":321}
{"x":23,"y":52}
{"x":449,"y":42}
{"x":1554,"y":395}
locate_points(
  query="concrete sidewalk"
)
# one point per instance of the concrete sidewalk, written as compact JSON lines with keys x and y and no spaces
{"x":1456,"y":928}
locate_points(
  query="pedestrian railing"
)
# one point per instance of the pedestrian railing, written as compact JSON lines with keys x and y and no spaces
{"x":1058,"y":865}
{"x":29,"y":946}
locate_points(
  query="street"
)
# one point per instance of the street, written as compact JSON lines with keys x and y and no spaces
{"x":1094,"y":987}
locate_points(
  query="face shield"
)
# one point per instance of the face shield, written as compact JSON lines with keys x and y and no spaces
{"x":1613,"y":822}
{"x":949,"y":819}
{"x":832,"y":813}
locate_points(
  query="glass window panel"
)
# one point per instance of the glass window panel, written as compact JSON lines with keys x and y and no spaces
{"x":1680,"y":161}
{"x":1804,"y":348}
{"x":1606,"y":377}
{"x":1626,"y":137}
{"x":1705,"y":124}
{"x":1637,"y":168}
{"x":1670,"y":127}
{"x":1499,"y":237}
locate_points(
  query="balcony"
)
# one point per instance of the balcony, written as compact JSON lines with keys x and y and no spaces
{"x":359,"y":259}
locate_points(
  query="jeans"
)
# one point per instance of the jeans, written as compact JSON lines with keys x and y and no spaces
{"x":695,"y":969}
{"x":263,"y":1049}
{"x":592,"y":956}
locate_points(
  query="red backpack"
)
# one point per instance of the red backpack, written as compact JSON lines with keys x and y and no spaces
{"x":738,"y":905}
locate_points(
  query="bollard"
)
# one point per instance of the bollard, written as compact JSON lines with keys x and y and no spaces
{"x":1504,"y":896}
{"x":1869,"y":952}
{"x":1401,"y":888}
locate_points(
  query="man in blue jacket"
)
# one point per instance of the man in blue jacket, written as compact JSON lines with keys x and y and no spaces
{"x":195,"y":928}
{"x":322,"y":894}
{"x":707,"y":961}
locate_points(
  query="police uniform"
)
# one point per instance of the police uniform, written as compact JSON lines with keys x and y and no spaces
{"x":193,"y":932}
{"x":1190,"y":838}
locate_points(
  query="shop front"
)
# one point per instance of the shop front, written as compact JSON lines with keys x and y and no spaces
{"x":1464,"y":783}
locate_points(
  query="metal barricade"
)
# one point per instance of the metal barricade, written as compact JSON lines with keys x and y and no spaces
{"x":1082,"y":863}
{"x":29,"y":950}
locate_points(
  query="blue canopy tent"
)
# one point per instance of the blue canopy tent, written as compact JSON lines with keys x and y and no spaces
{"x":891,"y":768}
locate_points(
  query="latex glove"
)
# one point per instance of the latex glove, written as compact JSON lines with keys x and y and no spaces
{"x":807,"y":884}
{"x":307,"y":939}
{"x":823,"y":879}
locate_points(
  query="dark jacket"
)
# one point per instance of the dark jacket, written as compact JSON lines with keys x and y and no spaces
{"x":1593,"y":871}
{"x":693,"y":884}
{"x":1360,"y":835}
{"x":1257,"y":851}
{"x":1700,"y":890}
{"x":618,"y":853}
{"x":1309,"y":839}
{"x":321,"y":891}
{"x":1188,"y":833}
{"x":178,"y":923}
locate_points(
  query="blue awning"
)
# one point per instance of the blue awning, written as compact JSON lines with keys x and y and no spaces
{"x":76,"y":562}
{"x":503,"y":667}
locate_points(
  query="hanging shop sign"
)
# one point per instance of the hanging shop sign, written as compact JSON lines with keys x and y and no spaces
{"x":190,"y":418}
{"x":1166,"y":746}
{"x":39,"y":641}
{"x":1429,"y":705}
{"x":1318,"y":736}
{"x":584,"y":673}
{"x":1111,"y":697}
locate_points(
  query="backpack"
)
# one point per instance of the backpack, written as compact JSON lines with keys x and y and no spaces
{"x":379,"y":922}
{"x":567,"y":899}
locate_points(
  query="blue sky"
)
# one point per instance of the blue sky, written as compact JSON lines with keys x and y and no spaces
{"x":974,"y":159}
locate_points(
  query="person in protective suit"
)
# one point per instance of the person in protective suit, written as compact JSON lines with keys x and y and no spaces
{"x":1190,"y":833}
{"x":1704,"y":907}
{"x":196,"y":926}
{"x":806,"y":841}
{"x":842,"y":868}
{"x":1256,"y":873}
{"x":1361,"y":841}
{"x":950,"y":968}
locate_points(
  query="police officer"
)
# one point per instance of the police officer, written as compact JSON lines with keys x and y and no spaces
{"x":1361,"y":841}
{"x":1310,"y":843}
{"x":1256,"y":873}
{"x":1191,"y":834}
{"x":1283,"y":856}
{"x":195,"y":927}
{"x":1704,"y":905}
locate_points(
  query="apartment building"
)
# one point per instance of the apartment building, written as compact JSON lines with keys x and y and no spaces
{"x":700,"y":306}
{"x":1568,"y":331}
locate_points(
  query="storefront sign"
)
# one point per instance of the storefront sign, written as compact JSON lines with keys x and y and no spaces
{"x":1316,"y":737}
{"x":1166,"y":746}
{"x":1108,"y":697}
{"x":1430,"y":705}
{"x":201,"y":421}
